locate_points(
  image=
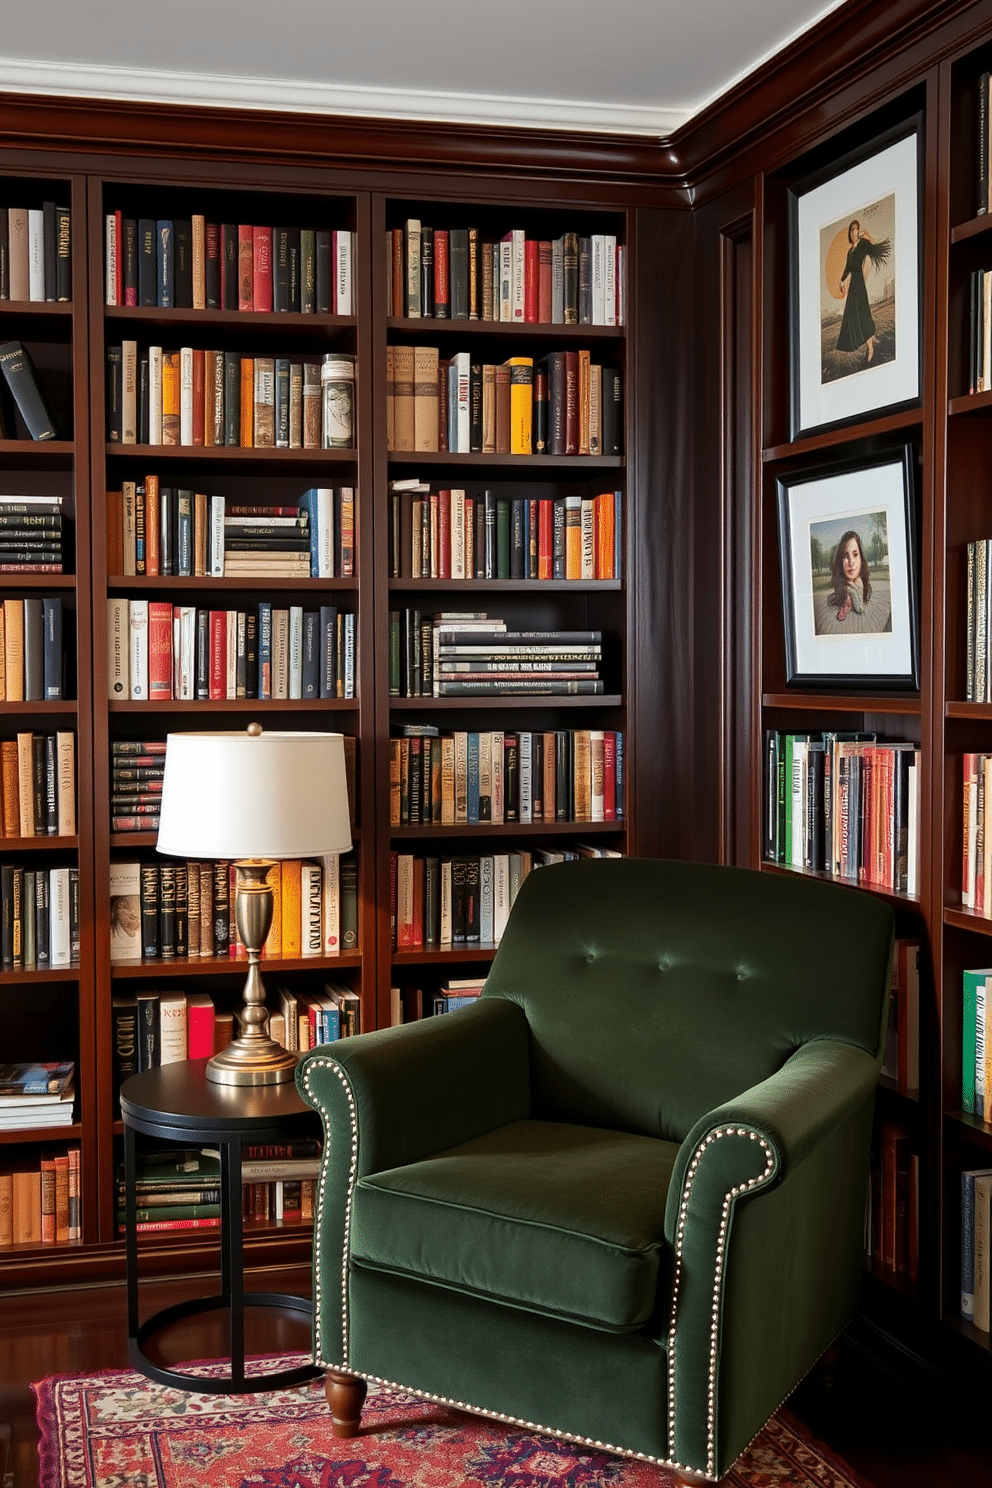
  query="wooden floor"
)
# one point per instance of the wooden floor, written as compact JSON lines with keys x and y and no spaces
{"x":893,"y":1435}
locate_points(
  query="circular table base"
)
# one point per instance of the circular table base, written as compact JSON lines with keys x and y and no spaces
{"x":225,"y":1384}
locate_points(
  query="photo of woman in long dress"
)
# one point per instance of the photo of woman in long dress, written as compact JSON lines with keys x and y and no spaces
{"x":857,"y":295}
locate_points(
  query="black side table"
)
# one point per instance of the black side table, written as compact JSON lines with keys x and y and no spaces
{"x":178,"y":1103}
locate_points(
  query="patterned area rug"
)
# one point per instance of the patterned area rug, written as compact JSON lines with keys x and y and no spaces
{"x":119,"y":1430}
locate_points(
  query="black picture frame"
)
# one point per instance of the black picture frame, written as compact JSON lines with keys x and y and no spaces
{"x":831,"y":643}
{"x":839,"y":373}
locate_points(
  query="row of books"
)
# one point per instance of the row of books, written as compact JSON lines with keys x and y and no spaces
{"x":22,"y":380}
{"x":978,"y":652}
{"x":39,"y":917}
{"x":409,"y":1003}
{"x":976,"y":1046}
{"x":892,"y":1221}
{"x":38,"y":785}
{"x":164,"y":908}
{"x":40,"y":1201}
{"x":449,"y":534}
{"x":976,"y":1247}
{"x":456,"y":274}
{"x":180,"y":1188}
{"x":463,"y":654}
{"x":31,"y":534}
{"x":31,"y":645}
{"x":192,"y":264}
{"x":36,"y":253}
{"x":155,"y":530}
{"x":846,"y":805}
{"x":562,"y":775}
{"x":158,"y":650}
{"x":976,"y":839}
{"x":901,"y":1062}
{"x":561,"y":404}
{"x":35,"y":1096}
{"x":193,"y":397}
{"x":464,"y":900}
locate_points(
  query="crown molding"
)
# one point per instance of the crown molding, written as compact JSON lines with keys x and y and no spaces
{"x":205,"y":90}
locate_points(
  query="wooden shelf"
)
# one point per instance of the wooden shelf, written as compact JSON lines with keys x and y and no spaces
{"x":177,"y":966}
{"x":968,"y":710}
{"x":240,"y":705}
{"x":237,"y":456}
{"x":125,"y":840}
{"x":42,"y":308}
{"x":38,"y":581}
{"x":975,"y":227}
{"x":506,"y":464}
{"x":967,"y":919}
{"x":889,"y":895}
{"x":508,"y":700}
{"x":971,"y":404}
{"x":38,"y":843}
{"x":9,"y":1137}
{"x":171,"y":583}
{"x":970,"y":1128}
{"x":30,"y":974}
{"x":827,"y":702}
{"x":508,"y":586}
{"x":442,"y":955}
{"x":30,"y":710}
{"x":508,"y":829}
{"x":427,"y":328}
{"x":48,"y":454}
{"x":836,"y":439}
{"x":293,"y":323}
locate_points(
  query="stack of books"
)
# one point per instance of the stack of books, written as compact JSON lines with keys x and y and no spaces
{"x":267,"y":545}
{"x":31,"y":534}
{"x":481,"y":661}
{"x":36,"y":1095}
{"x":137,"y":770}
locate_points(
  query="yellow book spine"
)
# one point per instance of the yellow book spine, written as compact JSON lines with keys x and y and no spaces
{"x":521,"y":404}
{"x":273,"y":944}
{"x":292,"y":908}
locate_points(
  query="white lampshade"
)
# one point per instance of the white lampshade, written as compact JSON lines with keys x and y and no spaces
{"x":262,"y":795}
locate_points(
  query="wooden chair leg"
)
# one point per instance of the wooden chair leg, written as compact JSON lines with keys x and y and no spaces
{"x":345,"y":1396}
{"x":686,"y":1479}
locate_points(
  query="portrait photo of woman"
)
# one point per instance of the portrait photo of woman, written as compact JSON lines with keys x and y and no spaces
{"x":858,"y":292}
{"x":851,"y":589}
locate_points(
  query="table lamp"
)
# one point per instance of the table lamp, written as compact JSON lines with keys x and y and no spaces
{"x":254,"y":797}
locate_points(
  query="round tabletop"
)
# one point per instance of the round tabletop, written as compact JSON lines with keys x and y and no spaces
{"x":180,"y":1095}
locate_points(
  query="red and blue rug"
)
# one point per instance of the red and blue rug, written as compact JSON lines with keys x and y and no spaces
{"x":119,"y":1430}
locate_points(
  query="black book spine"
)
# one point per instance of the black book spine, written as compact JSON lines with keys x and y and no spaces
{"x":7,"y":911}
{"x":983,"y":145}
{"x":165,"y":265}
{"x":232,"y":398}
{"x":167,"y":532}
{"x":202,"y":676}
{"x":323,"y":272}
{"x":473,"y":918}
{"x":167,"y":911}
{"x":147,"y":262}
{"x":511,"y":778}
{"x":149,"y":1030}
{"x":427,"y":271}
{"x":251,"y":653}
{"x":115,"y":394}
{"x":229,"y":265}
{"x":612,"y":411}
{"x":280,"y":269}
{"x":432,"y":901}
{"x":4,"y":255}
{"x":63,"y":255}
{"x":211,"y":267}
{"x":475,"y":408}
{"x":183,"y":237}
{"x":537,"y":777}
{"x":518,"y":539}
{"x":51,"y":785}
{"x":295,"y":272}
{"x":561,"y":775}
{"x":144,"y":407}
{"x":458,"y":278}
{"x":149,"y":910}
{"x":539,"y":434}
{"x":74,"y":917}
{"x":311,"y":654}
{"x":458,"y":916}
{"x":222,"y":912}
{"x":51,"y":248}
{"x":182,"y":910}
{"x":42,"y":919}
{"x":328,"y":651}
{"x":17,"y":369}
{"x":585,"y":281}
{"x":282,"y":403}
{"x":52,"y":613}
{"x":124,"y":1015}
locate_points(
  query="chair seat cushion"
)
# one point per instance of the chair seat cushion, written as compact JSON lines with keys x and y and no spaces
{"x":564,"y":1220}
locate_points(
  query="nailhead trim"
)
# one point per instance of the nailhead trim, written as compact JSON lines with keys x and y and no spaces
{"x":478,"y":1410}
{"x":319,"y":1207}
{"x":721,"y":1249}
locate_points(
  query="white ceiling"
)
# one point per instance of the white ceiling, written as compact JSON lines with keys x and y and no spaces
{"x":640,"y":66}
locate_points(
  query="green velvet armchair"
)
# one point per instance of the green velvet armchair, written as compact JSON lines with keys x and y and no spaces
{"x":621,"y":1198}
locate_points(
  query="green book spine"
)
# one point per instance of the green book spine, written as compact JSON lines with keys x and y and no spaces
{"x":502,"y":539}
{"x":969,"y":1010}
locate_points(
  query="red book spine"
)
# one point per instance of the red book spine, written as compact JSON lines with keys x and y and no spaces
{"x":544,"y":259}
{"x":159,"y":650}
{"x":246,"y":268}
{"x":218,"y":655}
{"x":609,"y":776}
{"x":442,"y":301}
{"x":545,"y":538}
{"x":262,"y":289}
{"x":444,"y":537}
{"x":418,"y":901}
{"x":200,"y":1029}
{"x":531,"y":279}
{"x":199,"y":394}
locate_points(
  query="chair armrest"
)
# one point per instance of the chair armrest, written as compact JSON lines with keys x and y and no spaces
{"x":765,"y":1216}
{"x":393,"y":1097}
{"x":417,"y":1089}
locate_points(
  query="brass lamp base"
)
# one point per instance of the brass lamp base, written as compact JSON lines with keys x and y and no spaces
{"x":253,"y":1058}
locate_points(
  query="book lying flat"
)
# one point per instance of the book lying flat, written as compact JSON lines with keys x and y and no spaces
{"x":36,"y":1079}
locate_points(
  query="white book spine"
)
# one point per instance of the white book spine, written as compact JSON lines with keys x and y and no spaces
{"x":296,"y":651}
{"x":486,"y":922}
{"x":597,"y":799}
{"x":526,"y":776}
{"x":457,"y":537}
{"x":154,"y":395}
{"x":325,"y":532}
{"x":506,"y":279}
{"x":501,"y":895}
{"x":110,"y":287}
{"x":312,"y":910}
{"x":66,"y":757}
{"x":172,"y":1028}
{"x":598,"y":279}
{"x":280,"y":653}
{"x":610,"y":280}
{"x":59,"y":935}
{"x":118,"y":681}
{"x":412,"y":306}
{"x":497,"y":766}
{"x":343,"y":272}
{"x":231,"y":656}
{"x":330,"y":926}
{"x":518,"y":275}
{"x":138,"y":649}
{"x":217,"y":536}
{"x":187,"y":653}
{"x":36,"y":254}
{"x":445,"y":919}
{"x":349,"y":655}
{"x":463,"y":364}
{"x":558,"y":281}
{"x":621,"y":290}
{"x":186,"y":395}
{"x":588,"y":538}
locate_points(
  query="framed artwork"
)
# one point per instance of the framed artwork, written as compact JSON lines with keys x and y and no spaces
{"x":846,"y":538}
{"x":855,"y":284}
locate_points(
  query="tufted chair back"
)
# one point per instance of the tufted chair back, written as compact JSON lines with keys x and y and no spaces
{"x":655,"y":991}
